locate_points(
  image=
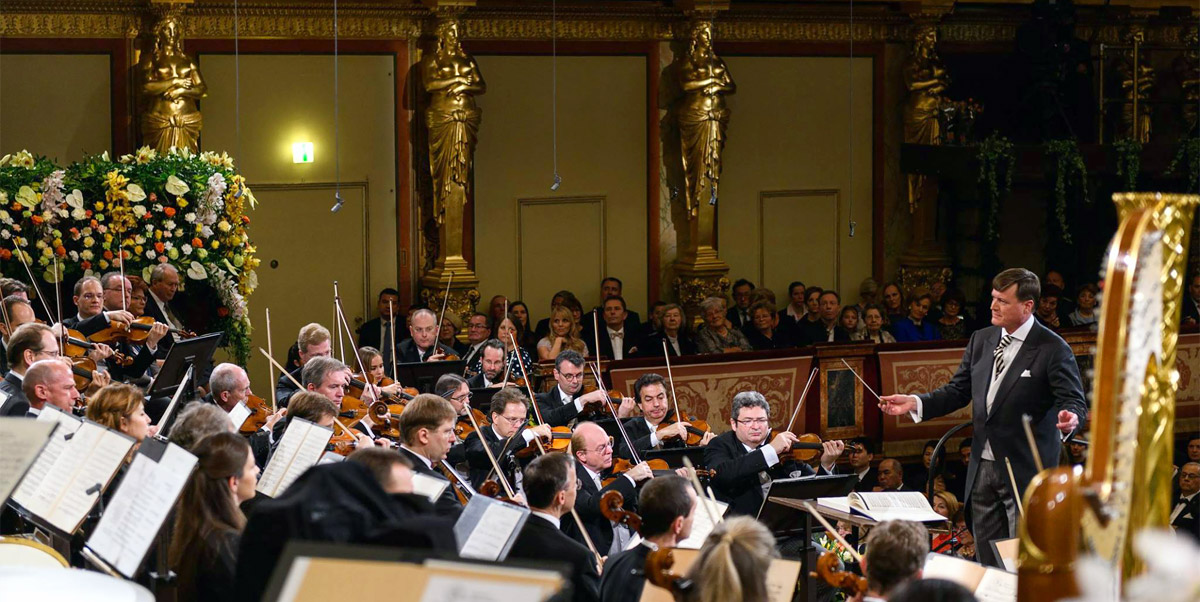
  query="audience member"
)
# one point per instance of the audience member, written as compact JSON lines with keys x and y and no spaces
{"x":715,"y":335}
{"x":952,"y":325}
{"x":891,"y":476}
{"x":674,"y":332}
{"x":914,"y":326}
{"x":790,"y":315}
{"x":893,"y":300}
{"x":861,"y":452}
{"x":739,"y":315}
{"x":565,"y":334}
{"x":764,"y":332}
{"x":826,"y":328}
{"x":1047,"y":307}
{"x":1085,"y":306}
{"x":873,"y":321}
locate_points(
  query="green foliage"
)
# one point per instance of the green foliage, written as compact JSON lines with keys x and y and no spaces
{"x":996,"y":158}
{"x":1069,"y":172}
{"x":1188,"y":154}
{"x":1129,"y":161}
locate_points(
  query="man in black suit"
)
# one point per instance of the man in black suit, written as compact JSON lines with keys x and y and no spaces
{"x":164,"y":282}
{"x":454,"y":388}
{"x":550,"y":489}
{"x":647,"y":432}
{"x":739,"y":313}
{"x":1185,"y":509}
{"x":862,"y":452}
{"x":1191,"y":302}
{"x":423,"y":346}
{"x":891,"y":476}
{"x":565,"y":402}
{"x":593,"y":450}
{"x":618,"y":332}
{"x":745,"y":462}
{"x":313,"y":341}
{"x":667,"y":506}
{"x":505,"y":436}
{"x":17,"y":311}
{"x":610,"y":287}
{"x":491,"y":364}
{"x":826,"y":329}
{"x":30,"y":343}
{"x":1015,"y":367}
{"x":92,"y":317}
{"x":479,"y":329}
{"x":377,"y":332}
{"x":427,"y":433}
{"x":50,"y":382}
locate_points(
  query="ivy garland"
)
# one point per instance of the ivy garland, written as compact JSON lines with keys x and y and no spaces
{"x":1069,"y":165}
{"x":995,"y":155}
{"x":1129,"y":161}
{"x":1189,"y":154}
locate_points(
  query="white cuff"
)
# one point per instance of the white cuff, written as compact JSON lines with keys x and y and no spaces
{"x":916,"y":414}
{"x":527,"y":435}
{"x":579,"y":404}
{"x":654,"y":440}
{"x":769,"y":455}
{"x":626,"y":475}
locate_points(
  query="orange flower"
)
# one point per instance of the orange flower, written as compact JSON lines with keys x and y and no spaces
{"x":5,"y":254}
{"x":94,"y":224}
{"x":170,"y":211}
{"x":245,"y":219}
{"x":196,"y":242}
{"x":158,"y":246}
{"x":222,"y":311}
{"x":60,"y":251}
{"x":37,"y":220}
{"x":87,"y":265}
{"x":108,"y":255}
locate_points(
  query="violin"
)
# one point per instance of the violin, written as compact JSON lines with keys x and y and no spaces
{"x":827,"y":570}
{"x":357,"y":386}
{"x":491,"y":488}
{"x":353,"y":408}
{"x":658,"y":572}
{"x":464,"y":427}
{"x":342,"y":443}
{"x":696,"y":430}
{"x":385,"y":419}
{"x":601,"y":407}
{"x":257,"y":419}
{"x":809,"y":447}
{"x":75,"y":345}
{"x":81,"y":370}
{"x":621,"y":466}
{"x":559,"y":441}
{"x":136,"y":332}
{"x":612,"y":507}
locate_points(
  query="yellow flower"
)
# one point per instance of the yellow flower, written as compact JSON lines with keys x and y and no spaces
{"x":145,"y":155}
{"x":215,"y":244}
{"x":181,"y":202}
{"x":137,"y":250}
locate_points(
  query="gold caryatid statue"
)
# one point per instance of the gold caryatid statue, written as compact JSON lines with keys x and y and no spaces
{"x":703,"y":118}
{"x":926,"y":80}
{"x":171,"y":85}
{"x":1137,"y":80}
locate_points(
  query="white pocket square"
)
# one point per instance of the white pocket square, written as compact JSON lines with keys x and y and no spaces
{"x":1026,"y":374}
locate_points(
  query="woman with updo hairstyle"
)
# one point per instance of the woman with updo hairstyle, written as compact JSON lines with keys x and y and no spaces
{"x":733,"y":563}
{"x":208,"y":524}
{"x":121,"y":407}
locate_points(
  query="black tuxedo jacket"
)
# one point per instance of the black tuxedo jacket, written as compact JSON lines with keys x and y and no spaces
{"x":408,"y":353}
{"x":652,"y":346}
{"x":1191,"y":309}
{"x":639,"y":434}
{"x":736,"y":481}
{"x":152,"y":310}
{"x":142,"y":358}
{"x":1188,"y":521}
{"x":479,"y":463}
{"x":1042,"y":380}
{"x":541,"y":540}
{"x":555,"y":410}
{"x":587,"y":506}
{"x":447,"y":504}
{"x":285,"y":388}
{"x":476,"y":382}
{"x":735,"y":317}
{"x":630,"y":342}
{"x":369,"y":333}
{"x":15,"y":404}
{"x":868,"y":481}
{"x":625,"y":575}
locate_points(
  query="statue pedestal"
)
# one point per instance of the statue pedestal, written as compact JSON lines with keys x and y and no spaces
{"x":464,"y":288}
{"x":700,"y":275}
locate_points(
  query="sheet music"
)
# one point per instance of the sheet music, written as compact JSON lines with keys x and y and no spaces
{"x":92,"y":458}
{"x":135,"y":515}
{"x":892,"y":505}
{"x":491,"y":533}
{"x":21,"y":441}
{"x":702,"y":524}
{"x":997,"y":586}
{"x":67,"y":425}
{"x":239,"y":414}
{"x":302,"y":445}
{"x":442,"y":587}
{"x":430,"y":487}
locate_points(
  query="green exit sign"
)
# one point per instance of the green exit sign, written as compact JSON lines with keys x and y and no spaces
{"x":302,"y":152}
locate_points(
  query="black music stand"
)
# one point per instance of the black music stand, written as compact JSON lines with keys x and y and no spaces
{"x":195,"y":351}
{"x":481,"y":399}
{"x":796,"y":525}
{"x":423,"y":375}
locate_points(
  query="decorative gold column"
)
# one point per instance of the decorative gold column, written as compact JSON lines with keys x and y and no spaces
{"x":1137,"y":81}
{"x":170,"y":84}
{"x":702,"y":118}
{"x":452,"y":79}
{"x":925,"y":261}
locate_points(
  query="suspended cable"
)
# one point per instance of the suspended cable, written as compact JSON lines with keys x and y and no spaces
{"x":554,"y":92}
{"x":337,"y":156}
{"x":850,"y":117}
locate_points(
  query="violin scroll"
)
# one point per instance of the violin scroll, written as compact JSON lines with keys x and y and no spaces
{"x":612,"y":507}
{"x":827,"y":570}
{"x":658,"y":572}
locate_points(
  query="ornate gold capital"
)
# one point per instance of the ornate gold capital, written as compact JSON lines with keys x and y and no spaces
{"x":913,"y":278}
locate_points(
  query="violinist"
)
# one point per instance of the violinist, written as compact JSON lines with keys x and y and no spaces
{"x":164,"y":283}
{"x":372,"y":360}
{"x":745,"y":462}
{"x":649,"y":431}
{"x":11,"y":286}
{"x":117,"y":297}
{"x":17,"y":311}
{"x":491,"y":365}
{"x":550,"y":487}
{"x":564,"y":402}
{"x":228,"y":386}
{"x":321,"y":411}
{"x":509,"y":418}
{"x":138,"y":296}
{"x":453,"y":388}
{"x":29,"y":343}
{"x":121,"y":407}
{"x":98,"y":308}
{"x":593,"y":450}
{"x":331,"y":378}
{"x":49,"y":382}
{"x":313,"y":341}
{"x":427,"y":434}
{"x":896,"y":551}
{"x":423,"y":346}
{"x":667,"y":506}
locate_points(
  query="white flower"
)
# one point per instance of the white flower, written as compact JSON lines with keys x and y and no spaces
{"x":27,"y":197}
{"x":86,"y":255}
{"x":3,"y":197}
{"x":104,"y":156}
{"x":5,"y":234}
{"x":224,"y":226}
{"x":150,"y":254}
{"x":196,"y":271}
{"x":74,"y":255}
{"x":52,"y":190}
{"x":23,"y":159}
{"x":169,"y":225}
{"x":206,"y":232}
{"x":139,"y":239}
{"x":189,"y":217}
{"x":127,"y":159}
{"x":186,"y":248}
{"x":4,"y":214}
{"x":78,"y":214}
{"x":146,"y":155}
{"x":178,"y":231}
{"x":5,"y":160}
{"x":176,"y":186}
{"x":168,"y":245}
{"x":136,"y":194}
{"x":139,"y":211}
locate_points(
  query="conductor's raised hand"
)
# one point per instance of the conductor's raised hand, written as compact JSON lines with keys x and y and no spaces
{"x":1068,"y":421}
{"x":896,"y":405}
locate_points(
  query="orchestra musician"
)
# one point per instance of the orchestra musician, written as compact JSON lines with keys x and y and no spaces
{"x":509,"y":417}
{"x":98,"y":308}
{"x":733,"y":563}
{"x":745,"y":463}
{"x":121,"y":407}
{"x":491,"y":365}
{"x":1013,"y":368}
{"x":517,"y":356}
{"x":17,"y":311}
{"x":427,"y":434}
{"x":564,"y":402}
{"x":331,"y":378}
{"x":667,"y":507}
{"x":209,"y":522}
{"x":318,"y":409}
{"x":479,"y":328}
{"x":29,"y":343}
{"x":423,"y":346}
{"x":49,"y":382}
{"x":648,"y":431}
{"x":313,"y":341}
{"x":453,"y":388}
{"x":229,"y":385}
{"x":197,"y":421}
{"x":550,"y":488}
{"x":164,"y":283}
{"x":895,"y":555}
{"x":593,"y":450}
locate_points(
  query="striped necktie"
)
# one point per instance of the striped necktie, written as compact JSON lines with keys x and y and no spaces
{"x":1005,"y":341}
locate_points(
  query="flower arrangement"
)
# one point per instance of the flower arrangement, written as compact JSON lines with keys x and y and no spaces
{"x":143,"y":209}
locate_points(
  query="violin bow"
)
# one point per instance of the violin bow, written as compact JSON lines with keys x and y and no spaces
{"x":7,"y":324}
{"x":706,"y":500}
{"x":58,"y":303}
{"x":345,"y":428}
{"x":32,"y":281}
{"x":799,"y":402}
{"x":121,"y":265}
{"x":528,"y":386}
{"x":337,"y":302}
{"x":620,"y":427}
{"x":337,"y":324}
{"x":392,"y":339}
{"x":491,"y":458}
{"x":442,"y":316}
{"x":270,"y":369}
{"x":671,"y":380}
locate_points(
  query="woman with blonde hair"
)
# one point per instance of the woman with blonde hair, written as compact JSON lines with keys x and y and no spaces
{"x":947,"y":505}
{"x":121,"y":407}
{"x":733,"y":563}
{"x":563,"y":335}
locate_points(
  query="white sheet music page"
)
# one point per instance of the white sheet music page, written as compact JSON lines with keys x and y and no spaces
{"x":26,"y":491}
{"x":21,"y":441}
{"x":239,"y":414}
{"x":428,"y":486}
{"x":492,"y":532}
{"x":443,"y":587}
{"x":135,"y":514}
{"x":893,"y":505}
{"x":702,"y":524}
{"x":93,"y":457}
{"x":997,"y":586}
{"x":302,"y":445}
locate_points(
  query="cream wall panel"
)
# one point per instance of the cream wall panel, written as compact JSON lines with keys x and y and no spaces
{"x":541,"y":255}
{"x":790,"y":131}
{"x":286,"y":99}
{"x":601,"y":153}
{"x":58,"y":105}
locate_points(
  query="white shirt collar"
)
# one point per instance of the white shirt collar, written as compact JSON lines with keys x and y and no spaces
{"x":428,"y":463}
{"x":547,"y":517}
{"x":1188,"y":498}
{"x":864,"y":472}
{"x":611,"y":332}
{"x":38,"y":412}
{"x":591,"y":473}
{"x":1022,"y":331}
{"x":565,"y":396}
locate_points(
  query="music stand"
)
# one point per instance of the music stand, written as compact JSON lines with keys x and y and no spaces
{"x":783,"y":520}
{"x":674,"y":456}
{"x":194,"y":351}
{"x":481,"y":399}
{"x":423,"y":375}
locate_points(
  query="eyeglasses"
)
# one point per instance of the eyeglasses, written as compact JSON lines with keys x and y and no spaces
{"x":514,"y":420}
{"x":607,"y":446}
{"x":462,"y":398}
{"x":576,"y":376}
{"x":91,"y":297}
{"x":477,"y":326}
{"x":751,"y":421}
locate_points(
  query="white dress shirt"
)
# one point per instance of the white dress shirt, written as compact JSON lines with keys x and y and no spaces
{"x":617,"y":338}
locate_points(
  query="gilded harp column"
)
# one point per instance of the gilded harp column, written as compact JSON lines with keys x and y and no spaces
{"x":702,"y":118}
{"x":452,"y":79}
